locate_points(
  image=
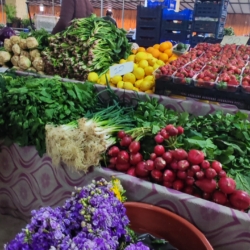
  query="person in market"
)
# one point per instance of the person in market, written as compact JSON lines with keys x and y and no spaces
{"x":71,"y":9}
{"x":109,"y":17}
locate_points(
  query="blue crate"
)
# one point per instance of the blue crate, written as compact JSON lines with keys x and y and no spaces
{"x":153,"y":4}
{"x":170,"y":4}
{"x":183,"y":15}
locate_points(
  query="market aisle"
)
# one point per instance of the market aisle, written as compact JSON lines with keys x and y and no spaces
{"x":9,"y":227}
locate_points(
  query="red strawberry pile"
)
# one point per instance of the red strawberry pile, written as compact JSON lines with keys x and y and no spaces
{"x":206,"y":78}
{"x":246,"y":79}
{"x":188,"y":172}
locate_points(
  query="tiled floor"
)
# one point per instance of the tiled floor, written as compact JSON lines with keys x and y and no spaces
{"x":9,"y":227}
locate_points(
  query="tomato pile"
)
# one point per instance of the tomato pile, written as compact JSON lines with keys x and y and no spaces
{"x":246,"y":78}
{"x":188,"y":172}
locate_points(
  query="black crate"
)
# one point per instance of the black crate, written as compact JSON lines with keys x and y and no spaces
{"x":146,"y":16}
{"x":208,"y":9}
{"x":146,"y":41}
{"x":175,"y":25}
{"x":207,"y":26}
{"x":171,"y":35}
{"x":148,"y":31}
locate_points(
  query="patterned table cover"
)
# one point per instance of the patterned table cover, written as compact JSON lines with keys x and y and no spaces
{"x":28,"y":182}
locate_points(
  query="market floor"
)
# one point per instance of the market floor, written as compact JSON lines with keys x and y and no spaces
{"x":9,"y":227}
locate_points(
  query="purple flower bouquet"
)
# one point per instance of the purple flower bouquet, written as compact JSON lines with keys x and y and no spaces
{"x":93,"y":218}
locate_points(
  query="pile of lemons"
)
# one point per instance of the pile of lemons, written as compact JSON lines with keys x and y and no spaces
{"x":145,"y":62}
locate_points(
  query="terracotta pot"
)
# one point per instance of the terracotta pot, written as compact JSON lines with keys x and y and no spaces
{"x":161,"y":223}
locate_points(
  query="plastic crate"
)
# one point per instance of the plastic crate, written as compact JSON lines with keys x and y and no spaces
{"x":146,"y":41}
{"x":148,"y":31}
{"x":185,"y":15}
{"x":46,"y":22}
{"x":181,"y":25}
{"x":171,"y":35}
{"x":147,"y":15}
{"x":208,"y":9}
{"x":207,"y":26}
{"x":153,"y":4}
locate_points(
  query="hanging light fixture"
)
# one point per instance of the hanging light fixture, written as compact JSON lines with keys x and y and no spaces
{"x":41,"y":7}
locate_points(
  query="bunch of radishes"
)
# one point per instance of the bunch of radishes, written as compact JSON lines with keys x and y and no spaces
{"x":184,"y":171}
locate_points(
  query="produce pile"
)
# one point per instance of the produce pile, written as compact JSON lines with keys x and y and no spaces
{"x":87,"y":45}
{"x":220,"y":67}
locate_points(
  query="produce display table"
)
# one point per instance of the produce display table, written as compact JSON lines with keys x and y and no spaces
{"x":28,"y":182}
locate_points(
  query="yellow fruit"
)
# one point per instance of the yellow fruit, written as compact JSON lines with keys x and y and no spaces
{"x":129,"y":77}
{"x":122,"y":61}
{"x":134,"y":51}
{"x":128,"y":86}
{"x":135,"y":89}
{"x":116,"y":79}
{"x":143,"y":64}
{"x":131,"y":58}
{"x":145,"y":85}
{"x":103,"y":80}
{"x":139,"y":73}
{"x":120,"y":85}
{"x":160,"y":62}
{"x":152,"y":61}
{"x":149,"y":78}
{"x":141,"y":56}
{"x":138,"y":83}
{"x":156,"y":66}
{"x":135,"y":66}
{"x":150,"y":91}
{"x":150,"y":56}
{"x":163,"y":57}
{"x":149,"y":70}
{"x":93,"y":77}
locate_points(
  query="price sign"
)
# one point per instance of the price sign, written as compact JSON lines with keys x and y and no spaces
{"x":238,"y":40}
{"x":121,"y":69}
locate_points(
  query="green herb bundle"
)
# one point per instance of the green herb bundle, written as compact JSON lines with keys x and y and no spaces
{"x":27,"y":104}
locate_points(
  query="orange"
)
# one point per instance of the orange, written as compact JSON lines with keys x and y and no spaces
{"x":165,"y":45}
{"x":156,"y":46}
{"x":170,"y":45}
{"x":163,"y":57}
{"x":149,"y":49}
{"x":169,"y":52}
{"x":141,"y":49}
{"x":134,"y":51}
{"x":155,"y":53}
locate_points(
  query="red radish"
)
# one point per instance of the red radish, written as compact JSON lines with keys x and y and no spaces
{"x":182,"y":175}
{"x":153,"y":156}
{"x":156,"y":175}
{"x":135,"y":158}
{"x":190,"y":180}
{"x":150,"y":165}
{"x":169,"y":127}
{"x":159,"y":150}
{"x":200,"y":175}
{"x":240,"y":200}
{"x":125,"y":142}
{"x":174,"y":164}
{"x":159,"y":163}
{"x":165,"y":134}
{"x":207,"y":196}
{"x":219,"y":197}
{"x":227,"y":185}
{"x":113,"y":151}
{"x":190,"y":173}
{"x":167,"y":156}
{"x":206,"y":185}
{"x":113,"y":160}
{"x":195,"y":168}
{"x":205,"y":164}
{"x":188,"y":190}
{"x":123,"y":157}
{"x":111,"y":166}
{"x":180,"y":154}
{"x":141,"y":169}
{"x":173,"y":131}
{"x":168,"y":184}
{"x":134,"y":147}
{"x":178,"y":185}
{"x":222,"y":173}
{"x":210,"y":173}
{"x":180,"y":130}
{"x":121,"y":134}
{"x":131,"y":171}
{"x":183,"y":165}
{"x":122,"y":166}
{"x":169,"y":175}
{"x":195,"y":156}
{"x":159,"y":139}
{"x":217,"y":166}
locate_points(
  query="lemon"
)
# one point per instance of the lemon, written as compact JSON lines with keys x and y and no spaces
{"x":129,"y":77}
{"x":93,"y":77}
{"x":120,"y":85}
{"x":146,"y":85}
{"x":139,"y":73}
{"x":152,"y":61}
{"x":131,"y":58}
{"x":102,"y":80}
{"x":156,"y":66}
{"x":141,"y":56}
{"x":149,"y":78}
{"x":150,"y":56}
{"x":143,"y":64}
{"x":135,"y":89}
{"x":160,"y":62}
{"x":135,"y":66}
{"x":108,"y":75}
{"x":150,"y":91}
{"x":122,"y":61}
{"x":148,"y":70}
{"x":128,"y":85}
{"x":116,"y":79}
{"x":138,"y":83}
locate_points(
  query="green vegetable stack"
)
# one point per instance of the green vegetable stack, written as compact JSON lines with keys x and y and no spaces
{"x":89,"y":44}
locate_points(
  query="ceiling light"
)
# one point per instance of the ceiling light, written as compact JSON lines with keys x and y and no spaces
{"x":41,"y":7}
